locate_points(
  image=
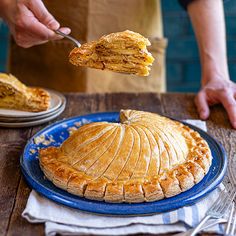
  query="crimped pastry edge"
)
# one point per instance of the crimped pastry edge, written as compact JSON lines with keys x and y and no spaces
{"x":168,"y":184}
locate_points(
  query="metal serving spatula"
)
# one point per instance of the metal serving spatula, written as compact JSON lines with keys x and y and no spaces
{"x":76,"y":42}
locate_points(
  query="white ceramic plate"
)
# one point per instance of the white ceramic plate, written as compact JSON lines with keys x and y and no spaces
{"x":28,"y":119}
{"x":56,"y":101}
{"x":31,"y":118}
{"x":32,"y":123}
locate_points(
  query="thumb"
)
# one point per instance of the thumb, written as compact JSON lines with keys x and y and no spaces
{"x":202,"y":105}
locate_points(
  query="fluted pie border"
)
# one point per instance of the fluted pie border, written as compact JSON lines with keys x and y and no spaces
{"x":168,"y":184}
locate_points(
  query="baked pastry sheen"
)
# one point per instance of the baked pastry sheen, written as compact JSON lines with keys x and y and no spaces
{"x":124,"y":52}
{"x":146,"y":157}
{"x":15,"y":95}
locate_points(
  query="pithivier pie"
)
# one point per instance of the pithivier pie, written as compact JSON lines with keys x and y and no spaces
{"x":15,"y":95}
{"x":145,"y":157}
{"x":124,"y":52}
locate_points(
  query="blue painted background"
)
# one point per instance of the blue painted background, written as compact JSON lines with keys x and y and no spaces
{"x":4,"y":35}
{"x":183,"y":68}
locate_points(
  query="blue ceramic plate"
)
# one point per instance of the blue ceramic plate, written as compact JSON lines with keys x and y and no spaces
{"x":58,"y":132}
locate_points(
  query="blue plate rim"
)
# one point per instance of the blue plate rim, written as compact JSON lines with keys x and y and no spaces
{"x":54,"y":196}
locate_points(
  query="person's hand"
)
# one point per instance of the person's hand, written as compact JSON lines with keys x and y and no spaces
{"x":30,"y":22}
{"x":217,"y":91}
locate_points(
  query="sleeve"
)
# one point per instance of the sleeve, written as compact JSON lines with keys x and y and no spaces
{"x":184,"y":3}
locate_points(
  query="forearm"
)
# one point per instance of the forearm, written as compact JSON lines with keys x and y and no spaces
{"x":209,"y":25}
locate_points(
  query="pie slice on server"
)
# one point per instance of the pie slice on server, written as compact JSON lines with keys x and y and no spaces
{"x":124,"y":52}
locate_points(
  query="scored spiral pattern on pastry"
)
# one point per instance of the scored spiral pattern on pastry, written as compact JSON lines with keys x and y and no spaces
{"x":145,"y":157}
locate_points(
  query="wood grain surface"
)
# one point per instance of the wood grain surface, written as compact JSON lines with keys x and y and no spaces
{"x":14,"y":191}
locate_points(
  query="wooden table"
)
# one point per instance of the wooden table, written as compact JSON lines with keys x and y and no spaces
{"x":14,"y":191}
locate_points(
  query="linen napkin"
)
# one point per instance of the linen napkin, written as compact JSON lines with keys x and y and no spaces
{"x":63,"y":220}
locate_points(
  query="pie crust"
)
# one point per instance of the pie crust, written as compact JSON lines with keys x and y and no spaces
{"x":124,"y":52}
{"x":145,"y":157}
{"x":15,"y":95}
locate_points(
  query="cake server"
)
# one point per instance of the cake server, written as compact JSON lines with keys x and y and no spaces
{"x":76,"y":42}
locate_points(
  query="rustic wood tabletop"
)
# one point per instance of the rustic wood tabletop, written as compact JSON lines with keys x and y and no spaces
{"x":14,"y":191}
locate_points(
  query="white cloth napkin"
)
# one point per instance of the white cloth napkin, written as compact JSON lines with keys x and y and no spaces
{"x":67,"y":221}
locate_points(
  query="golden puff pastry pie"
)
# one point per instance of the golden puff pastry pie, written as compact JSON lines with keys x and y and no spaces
{"x":124,"y":52}
{"x":145,"y":157}
{"x":15,"y":95}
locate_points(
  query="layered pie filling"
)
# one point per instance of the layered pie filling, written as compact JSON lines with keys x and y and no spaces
{"x":124,"y":52}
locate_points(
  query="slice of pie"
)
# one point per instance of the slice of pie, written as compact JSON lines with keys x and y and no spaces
{"x":124,"y":52}
{"x":145,"y":157}
{"x":15,"y":95}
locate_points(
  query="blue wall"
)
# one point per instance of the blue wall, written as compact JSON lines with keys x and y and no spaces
{"x":183,"y":68}
{"x":4,"y":35}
